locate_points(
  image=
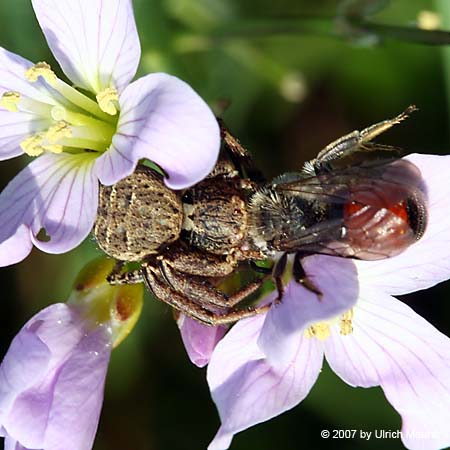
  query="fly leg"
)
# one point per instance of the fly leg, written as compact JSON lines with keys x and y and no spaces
{"x":277,"y":274}
{"x":301,"y":277}
{"x":357,"y":141}
{"x":371,"y":132}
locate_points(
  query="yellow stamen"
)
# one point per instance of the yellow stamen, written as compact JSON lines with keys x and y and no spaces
{"x":85,"y":126}
{"x":108,"y":101}
{"x":36,"y":144}
{"x":58,"y":131}
{"x":320,"y":330}
{"x":82,"y":101}
{"x":41,"y":69}
{"x":10,"y":100}
{"x":346,"y":323}
{"x":79,"y":143}
{"x":32,"y":145}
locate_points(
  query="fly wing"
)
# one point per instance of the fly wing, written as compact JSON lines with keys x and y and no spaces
{"x":373,"y":211}
{"x":335,"y":186}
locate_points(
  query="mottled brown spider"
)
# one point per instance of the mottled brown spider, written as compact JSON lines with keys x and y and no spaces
{"x":187,"y":241}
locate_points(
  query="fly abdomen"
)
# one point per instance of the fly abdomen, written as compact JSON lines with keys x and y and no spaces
{"x":383,"y":227}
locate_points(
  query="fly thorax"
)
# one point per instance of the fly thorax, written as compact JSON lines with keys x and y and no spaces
{"x":277,"y":218}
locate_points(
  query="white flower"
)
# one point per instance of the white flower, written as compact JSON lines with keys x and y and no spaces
{"x":95,"y":131}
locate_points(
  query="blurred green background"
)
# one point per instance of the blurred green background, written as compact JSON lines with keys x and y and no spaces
{"x":288,"y":94}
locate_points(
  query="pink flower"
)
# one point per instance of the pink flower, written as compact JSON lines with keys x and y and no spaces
{"x":199,"y":340}
{"x":53,"y":376}
{"x":54,"y":369}
{"x":80,"y":141}
{"x":267,"y":364}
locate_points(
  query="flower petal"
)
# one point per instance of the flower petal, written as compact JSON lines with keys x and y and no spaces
{"x":164,"y":120}
{"x":286,"y":322}
{"x":395,"y":348}
{"x":11,"y":444}
{"x":95,"y":42}
{"x":427,"y":262}
{"x":198,"y":339}
{"x":247,"y":389}
{"x":12,"y":78}
{"x":17,"y":373}
{"x":16,"y":126}
{"x":79,"y":386}
{"x":16,"y":247}
{"x":56,"y":192}
{"x":46,"y":337}
{"x":66,"y":364}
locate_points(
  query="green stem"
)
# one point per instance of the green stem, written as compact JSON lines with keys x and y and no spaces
{"x":405,"y":34}
{"x":331,"y":27}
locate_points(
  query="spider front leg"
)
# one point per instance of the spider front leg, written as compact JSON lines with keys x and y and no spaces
{"x":241,"y":158}
{"x":200,"y":290}
{"x":128,"y":277}
{"x":196,"y":262}
{"x":164,"y":292}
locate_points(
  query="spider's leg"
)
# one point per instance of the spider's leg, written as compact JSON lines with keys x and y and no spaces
{"x":190,"y":308}
{"x":241,"y":158}
{"x":129,"y":277}
{"x":196,"y":262}
{"x":200,"y":290}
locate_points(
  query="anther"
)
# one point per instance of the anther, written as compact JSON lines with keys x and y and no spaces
{"x":320,"y":331}
{"x":10,"y":100}
{"x":32,"y":145}
{"x":107,"y":100}
{"x":58,"y":131}
{"x":346,"y":323}
{"x":41,"y":69}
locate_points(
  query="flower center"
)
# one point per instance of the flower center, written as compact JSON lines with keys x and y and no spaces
{"x":72,"y":121}
{"x":321,"y":330}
